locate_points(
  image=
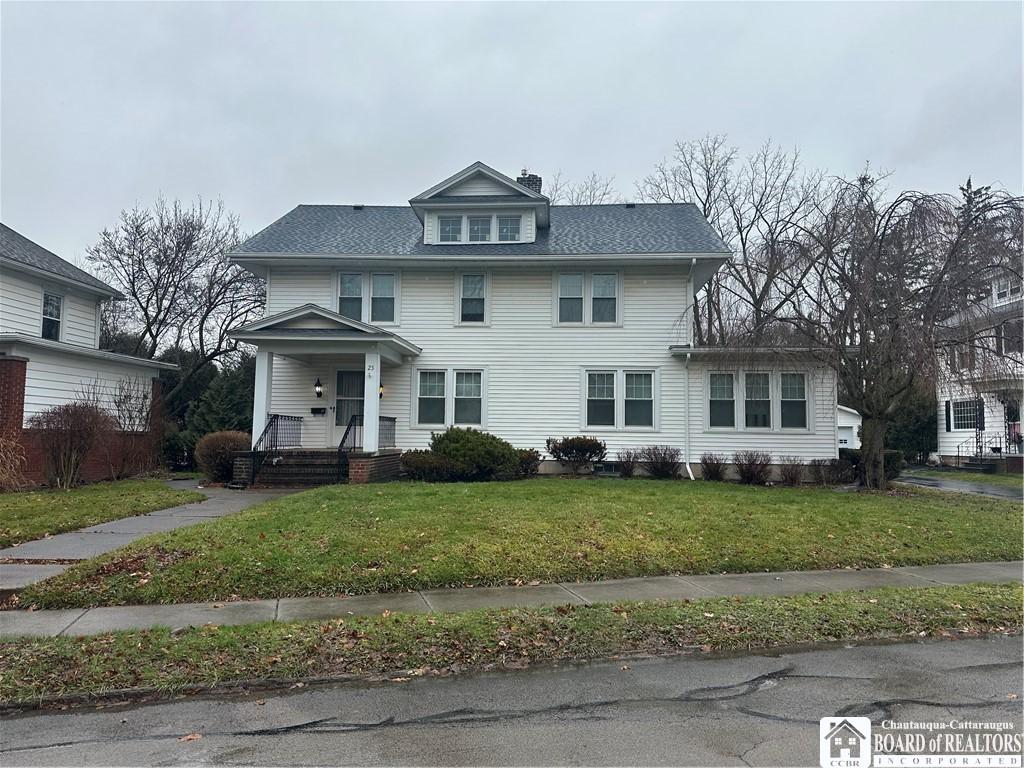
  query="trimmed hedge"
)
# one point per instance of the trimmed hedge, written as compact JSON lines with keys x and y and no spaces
{"x":469,"y":456}
{"x":576,"y":452}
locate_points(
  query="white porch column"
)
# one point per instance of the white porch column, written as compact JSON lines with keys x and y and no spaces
{"x":261,"y":397}
{"x":371,"y":402}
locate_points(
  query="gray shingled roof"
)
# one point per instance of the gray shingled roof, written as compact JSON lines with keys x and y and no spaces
{"x":575,"y":230}
{"x":21,"y":250}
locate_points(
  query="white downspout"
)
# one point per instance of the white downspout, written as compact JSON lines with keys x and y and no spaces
{"x":686,"y":421}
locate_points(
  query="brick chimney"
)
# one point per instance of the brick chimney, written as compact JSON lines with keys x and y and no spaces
{"x":530,"y":181}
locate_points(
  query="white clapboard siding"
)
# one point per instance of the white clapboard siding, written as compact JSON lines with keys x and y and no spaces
{"x":995,"y":416}
{"x":79,"y":320}
{"x":21,"y":304}
{"x":478,"y":184}
{"x":54,"y":378}
{"x":290,"y":288}
{"x":818,"y":441}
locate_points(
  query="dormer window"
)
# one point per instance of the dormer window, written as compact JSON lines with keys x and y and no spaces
{"x":509,"y":228}
{"x":479,"y":229}
{"x":1007,"y":286}
{"x":450,"y":228}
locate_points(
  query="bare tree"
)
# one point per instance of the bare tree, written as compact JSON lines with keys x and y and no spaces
{"x":880,"y":279}
{"x":755,"y":204}
{"x":182,"y":293}
{"x":593,"y":190}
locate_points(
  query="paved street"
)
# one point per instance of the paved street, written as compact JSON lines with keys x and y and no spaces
{"x":752,"y":710}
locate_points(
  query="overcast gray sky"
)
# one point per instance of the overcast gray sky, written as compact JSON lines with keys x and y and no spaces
{"x":268,"y":105}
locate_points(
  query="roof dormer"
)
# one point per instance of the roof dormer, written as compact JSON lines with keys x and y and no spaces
{"x":479,"y":205}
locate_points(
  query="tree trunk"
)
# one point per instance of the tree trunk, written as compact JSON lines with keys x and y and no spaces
{"x":872,"y":451}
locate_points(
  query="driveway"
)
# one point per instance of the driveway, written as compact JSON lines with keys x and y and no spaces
{"x":748,"y":710}
{"x":963,"y":486}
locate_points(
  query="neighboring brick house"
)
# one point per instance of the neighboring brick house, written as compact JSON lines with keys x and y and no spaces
{"x":49,"y":346}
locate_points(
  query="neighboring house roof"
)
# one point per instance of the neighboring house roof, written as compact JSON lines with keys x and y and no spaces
{"x":850,"y":411}
{"x":24,"y":340}
{"x":19,"y":251}
{"x":375,"y":230}
{"x":843,"y":725}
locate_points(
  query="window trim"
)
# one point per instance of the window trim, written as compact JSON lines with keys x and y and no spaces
{"x":60,"y":320}
{"x":366,"y":285}
{"x":449,"y":396}
{"x":588,"y":298}
{"x":487,"y":299}
{"x":775,"y":385}
{"x":619,"y":424}
{"x":806,"y":402}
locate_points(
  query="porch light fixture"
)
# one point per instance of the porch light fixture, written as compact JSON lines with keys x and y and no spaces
{"x":380,"y":391}
{"x":318,"y":388}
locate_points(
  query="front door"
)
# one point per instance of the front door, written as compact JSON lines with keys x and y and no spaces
{"x":348,"y":400}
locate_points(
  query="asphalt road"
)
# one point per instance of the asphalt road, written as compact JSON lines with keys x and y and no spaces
{"x":750,"y":710}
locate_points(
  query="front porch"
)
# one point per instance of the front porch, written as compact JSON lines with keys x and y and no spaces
{"x":317,"y":401}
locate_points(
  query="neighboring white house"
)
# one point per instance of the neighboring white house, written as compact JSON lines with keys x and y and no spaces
{"x":481,"y":304}
{"x":979,"y":395}
{"x":49,"y":335}
{"x":848,"y":427}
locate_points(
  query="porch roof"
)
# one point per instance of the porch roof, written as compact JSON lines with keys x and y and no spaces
{"x":314,"y":326}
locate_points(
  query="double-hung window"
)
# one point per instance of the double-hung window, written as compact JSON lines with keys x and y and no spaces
{"x":350,"y":302}
{"x":794,"y":400}
{"x":473,"y":298}
{"x":604,"y":292}
{"x":479,"y":229}
{"x":965,"y":414}
{"x":431,"y":400}
{"x":721,"y":400}
{"x":758,"y":400}
{"x":509,"y":228}
{"x":601,"y":399}
{"x":639,"y":399}
{"x":468,"y":397}
{"x":570,"y":298}
{"x":52,"y":309}
{"x":382,"y":298}
{"x":449,"y":229}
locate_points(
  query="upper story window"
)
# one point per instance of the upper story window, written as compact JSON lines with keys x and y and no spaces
{"x":479,"y":228}
{"x":586,"y":298}
{"x":350,"y":302}
{"x":382,"y":298}
{"x":381,"y":288}
{"x":53,"y":306}
{"x":449,"y":229}
{"x":1010,"y":338}
{"x":509,"y":228}
{"x":473,"y":298}
{"x":1007,"y":287}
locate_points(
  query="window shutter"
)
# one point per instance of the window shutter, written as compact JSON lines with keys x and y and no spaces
{"x":981,"y":415}
{"x":949,"y":424}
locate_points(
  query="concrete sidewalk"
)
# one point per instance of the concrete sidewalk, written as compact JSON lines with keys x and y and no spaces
{"x":106,"y":537}
{"x":953,"y":483}
{"x":99,"y":620}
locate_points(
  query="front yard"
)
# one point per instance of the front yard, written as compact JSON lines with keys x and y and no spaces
{"x":404,"y":645}
{"x":29,"y":515}
{"x":398,"y":536}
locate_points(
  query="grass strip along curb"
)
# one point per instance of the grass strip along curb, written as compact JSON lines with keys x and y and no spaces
{"x":395,"y":537}
{"x":434,"y":644}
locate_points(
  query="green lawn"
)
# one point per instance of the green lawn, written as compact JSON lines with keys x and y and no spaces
{"x":399,"y":536}
{"x":1004,"y":481}
{"x":407,"y":645}
{"x":29,"y":515}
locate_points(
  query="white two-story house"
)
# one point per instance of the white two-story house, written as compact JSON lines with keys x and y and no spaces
{"x":481,"y":304}
{"x":979,"y":391}
{"x":49,"y":344}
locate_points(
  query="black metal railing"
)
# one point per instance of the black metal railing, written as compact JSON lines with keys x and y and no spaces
{"x":281,"y":432}
{"x":352,"y":440}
